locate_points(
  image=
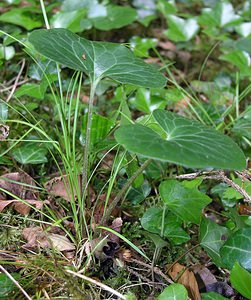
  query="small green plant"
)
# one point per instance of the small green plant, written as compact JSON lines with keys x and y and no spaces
{"x":153,"y":145}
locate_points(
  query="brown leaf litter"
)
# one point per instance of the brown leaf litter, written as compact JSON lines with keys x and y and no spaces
{"x":19,"y":185}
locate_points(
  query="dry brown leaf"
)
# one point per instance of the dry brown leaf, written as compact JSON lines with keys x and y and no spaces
{"x":21,"y":207}
{"x":19,"y":184}
{"x":36,"y":237}
{"x":4,"y":203}
{"x":4,"y":132}
{"x":116,"y":226}
{"x":181,"y":275}
{"x":205,"y":275}
{"x":60,"y":187}
{"x":24,"y":209}
{"x":61,"y":242}
{"x":167,"y":45}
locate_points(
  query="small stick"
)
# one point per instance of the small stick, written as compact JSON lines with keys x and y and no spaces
{"x":220,"y":176}
{"x":121,"y":193}
{"x":155,"y":269}
{"x":103,"y":286}
{"x":179,"y":258}
{"x":15,"y":282}
{"x":16,"y":81}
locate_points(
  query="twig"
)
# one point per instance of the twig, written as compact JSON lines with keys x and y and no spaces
{"x":15,"y":282}
{"x":10,"y":87}
{"x":155,"y":269}
{"x":16,"y":81}
{"x":220,"y":176}
{"x":120,"y":194}
{"x":181,"y":256}
{"x":101,"y":285}
{"x":133,"y":272}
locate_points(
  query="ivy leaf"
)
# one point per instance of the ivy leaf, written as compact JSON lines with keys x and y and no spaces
{"x":212,"y":238}
{"x":153,"y":221}
{"x":212,"y":296}
{"x":174,"y":291}
{"x":24,"y":17}
{"x":181,"y":30}
{"x":237,"y":248}
{"x":30,"y":153}
{"x":241,"y":280}
{"x":222,"y":15}
{"x":182,"y":141}
{"x":96,"y":59}
{"x":117,"y":17}
{"x":187,"y":203}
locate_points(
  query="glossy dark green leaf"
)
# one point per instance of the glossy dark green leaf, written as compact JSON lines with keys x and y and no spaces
{"x":22,"y":17}
{"x":174,"y":291}
{"x":187,"y":203}
{"x":33,"y":89}
{"x":212,"y":238}
{"x":30,"y":153}
{"x":153,"y":221}
{"x":100,"y":128}
{"x":241,"y":280}
{"x":221,"y":15}
{"x":180,"y":30}
{"x":237,"y":248}
{"x":116,"y":17}
{"x":75,"y":21}
{"x":96,"y":59}
{"x":212,"y":296}
{"x":182,"y":141}
{"x":240,"y":59}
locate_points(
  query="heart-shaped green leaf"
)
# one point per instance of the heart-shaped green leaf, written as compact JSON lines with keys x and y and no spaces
{"x":171,"y":225}
{"x":212,"y":296}
{"x":212,"y":237}
{"x":237,"y":248}
{"x":241,"y":280}
{"x":117,"y":17}
{"x":31,"y":153}
{"x":96,"y":59}
{"x":174,"y":291}
{"x":182,"y":141}
{"x":185,"y":202}
{"x":181,"y":30}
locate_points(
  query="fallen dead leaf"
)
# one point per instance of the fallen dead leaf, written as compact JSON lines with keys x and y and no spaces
{"x":21,"y":207}
{"x":167,"y":45}
{"x":4,"y":132}
{"x":36,"y":237}
{"x":60,"y":187}
{"x":182,"y":275}
{"x":61,"y":242}
{"x":208,"y":282}
{"x":19,"y":185}
{"x":244,"y":209}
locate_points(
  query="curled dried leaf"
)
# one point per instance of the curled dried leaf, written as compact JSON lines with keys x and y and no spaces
{"x":182,"y":275}
{"x":4,"y":132}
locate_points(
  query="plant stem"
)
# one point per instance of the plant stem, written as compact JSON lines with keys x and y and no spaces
{"x":44,"y":14}
{"x":88,"y":140}
{"x":116,"y":200}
